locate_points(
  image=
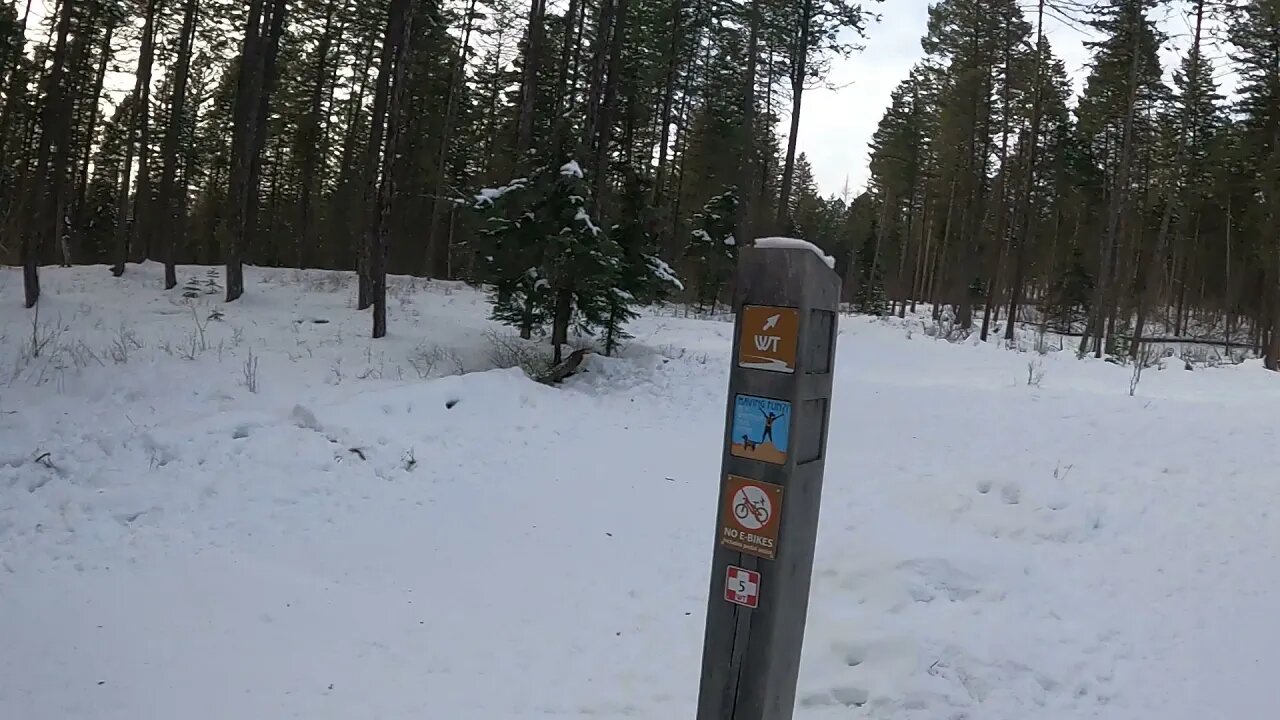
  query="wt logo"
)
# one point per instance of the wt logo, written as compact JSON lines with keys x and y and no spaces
{"x":767,"y":343}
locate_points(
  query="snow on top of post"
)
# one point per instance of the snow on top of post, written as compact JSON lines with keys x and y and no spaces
{"x":796,"y":244}
{"x":571,"y":169}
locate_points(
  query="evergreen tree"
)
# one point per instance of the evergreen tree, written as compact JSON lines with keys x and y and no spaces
{"x":713,"y":247}
{"x":643,"y":278}
{"x":1255,"y":29}
{"x":550,"y":261}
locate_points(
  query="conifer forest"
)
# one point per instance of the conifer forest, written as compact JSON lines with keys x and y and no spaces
{"x":580,"y":159}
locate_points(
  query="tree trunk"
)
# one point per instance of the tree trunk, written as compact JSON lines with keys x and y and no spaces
{"x":143,"y":202}
{"x":13,"y":92}
{"x":86,"y":157}
{"x":271,"y":54}
{"x":243,"y":144}
{"x":668,"y":99}
{"x":48,"y":176}
{"x":124,"y":219}
{"x":799,"y":72}
{"x":747,"y":155}
{"x":373,"y":157}
{"x":529,"y":82}
{"x":399,"y":32}
{"x":310,"y":144}
{"x":438,"y":250}
{"x":253,"y":93}
{"x":608,"y":103}
{"x":1022,"y":221}
{"x":170,"y":203}
{"x":1105,"y":296}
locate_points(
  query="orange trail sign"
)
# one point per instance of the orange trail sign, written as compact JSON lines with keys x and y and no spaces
{"x":769,"y":338}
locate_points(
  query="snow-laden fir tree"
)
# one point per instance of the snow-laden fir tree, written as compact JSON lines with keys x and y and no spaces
{"x":645,"y":278}
{"x":550,"y":261}
{"x":510,"y":255}
{"x":583,"y":263}
{"x":713,"y":249}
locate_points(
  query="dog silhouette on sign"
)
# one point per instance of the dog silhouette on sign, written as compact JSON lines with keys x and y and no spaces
{"x":748,"y":443}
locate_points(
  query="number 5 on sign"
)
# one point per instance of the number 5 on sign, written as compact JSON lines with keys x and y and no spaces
{"x":742,"y":587}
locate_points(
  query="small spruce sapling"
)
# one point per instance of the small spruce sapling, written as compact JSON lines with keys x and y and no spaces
{"x":584,"y":262}
{"x":550,"y":259}
{"x":510,"y":254}
{"x":713,"y":249}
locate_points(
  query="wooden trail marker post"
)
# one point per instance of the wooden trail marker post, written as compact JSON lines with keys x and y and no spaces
{"x":779,"y":407}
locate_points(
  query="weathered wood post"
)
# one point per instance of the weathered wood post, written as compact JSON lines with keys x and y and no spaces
{"x":787,"y":304}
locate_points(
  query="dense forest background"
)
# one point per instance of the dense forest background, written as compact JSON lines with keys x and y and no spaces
{"x":585,"y":157}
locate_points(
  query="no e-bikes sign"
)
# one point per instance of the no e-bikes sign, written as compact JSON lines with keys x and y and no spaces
{"x":751,"y":516}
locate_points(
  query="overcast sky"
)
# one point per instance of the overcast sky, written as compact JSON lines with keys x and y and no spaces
{"x":836,"y":126}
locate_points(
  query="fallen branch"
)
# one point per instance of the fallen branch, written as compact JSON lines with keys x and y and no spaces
{"x":566,"y":369}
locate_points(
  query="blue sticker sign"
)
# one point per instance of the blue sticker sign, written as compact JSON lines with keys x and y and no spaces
{"x":761,"y":429}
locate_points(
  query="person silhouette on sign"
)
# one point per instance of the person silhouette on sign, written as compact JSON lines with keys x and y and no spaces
{"x":769,"y":420}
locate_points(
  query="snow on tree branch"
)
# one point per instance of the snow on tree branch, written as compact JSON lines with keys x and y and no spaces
{"x":571,"y":169}
{"x":488,"y":196}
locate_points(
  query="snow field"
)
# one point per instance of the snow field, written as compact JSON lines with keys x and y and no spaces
{"x":349,"y":534}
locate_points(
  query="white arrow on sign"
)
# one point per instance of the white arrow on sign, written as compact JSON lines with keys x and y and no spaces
{"x":771,"y":323}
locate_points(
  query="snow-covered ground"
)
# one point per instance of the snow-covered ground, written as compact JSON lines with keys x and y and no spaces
{"x":266,"y":515}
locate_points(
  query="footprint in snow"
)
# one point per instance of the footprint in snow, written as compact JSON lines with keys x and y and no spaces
{"x":1011,"y":494}
{"x":838,"y":696}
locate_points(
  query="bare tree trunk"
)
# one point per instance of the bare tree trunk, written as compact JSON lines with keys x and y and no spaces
{"x":747,"y":155}
{"x":352,"y":204}
{"x":529,"y":83}
{"x":271,"y":54}
{"x":438,"y":249}
{"x":12,"y":92}
{"x":799,"y":72}
{"x":1105,"y":296}
{"x":609,"y":101}
{"x":46,"y":182}
{"x":1022,"y":221}
{"x":247,"y":106}
{"x":312,"y":147}
{"x":1145,"y":289}
{"x":252,"y":105}
{"x":373,"y":158}
{"x":399,"y":33}
{"x":169,"y":200}
{"x":124,"y":218}
{"x":668,"y":100}
{"x":91,"y":109}
{"x":143,"y":201}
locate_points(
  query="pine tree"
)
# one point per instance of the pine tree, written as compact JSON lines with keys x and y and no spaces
{"x":806,"y":207}
{"x":643,"y":278}
{"x":1123,"y":90}
{"x":551,"y":261}
{"x":713,"y":247}
{"x":1255,"y":31}
{"x":510,"y":255}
